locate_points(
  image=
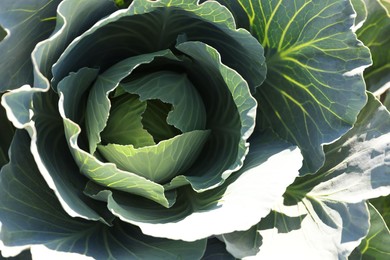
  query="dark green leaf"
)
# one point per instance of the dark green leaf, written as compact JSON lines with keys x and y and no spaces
{"x":32,"y":216}
{"x":149,"y":26}
{"x":3,"y":33}
{"x":7,"y":131}
{"x":27,"y":22}
{"x":49,"y":148}
{"x":73,"y":18}
{"x":374,"y":34}
{"x":314,"y":88}
{"x":382,"y":205}
{"x":376,"y":244}
{"x":216,"y":250}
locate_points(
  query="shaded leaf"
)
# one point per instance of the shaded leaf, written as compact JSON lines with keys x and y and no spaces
{"x":7,"y":132}
{"x":27,"y":23}
{"x":25,"y":196}
{"x":216,"y":250}
{"x":73,"y":18}
{"x":374,"y":34}
{"x":52,"y":157}
{"x":382,"y":205}
{"x":243,"y":243}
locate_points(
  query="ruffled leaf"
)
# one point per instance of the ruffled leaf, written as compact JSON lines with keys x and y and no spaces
{"x":52,"y":157}
{"x":144,"y":27}
{"x":188,"y":112}
{"x":7,"y":132}
{"x":73,"y":18}
{"x":374,"y":34}
{"x":27,"y":23}
{"x":92,"y":167}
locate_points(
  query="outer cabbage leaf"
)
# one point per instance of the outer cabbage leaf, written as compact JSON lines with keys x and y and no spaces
{"x":382,"y":205}
{"x":374,"y":34}
{"x":361,"y":13}
{"x":7,"y":132}
{"x":376,"y":244}
{"x":73,"y":18}
{"x":243,"y":243}
{"x":216,"y":250}
{"x":26,"y":196}
{"x":27,"y":23}
{"x":56,"y":165}
{"x":325,"y":216}
{"x":3,"y":33}
{"x":314,"y":88}
{"x":209,"y":23}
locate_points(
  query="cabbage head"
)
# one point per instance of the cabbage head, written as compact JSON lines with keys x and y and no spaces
{"x":187,"y":129}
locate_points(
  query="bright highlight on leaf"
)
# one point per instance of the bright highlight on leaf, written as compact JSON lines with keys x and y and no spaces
{"x":194,"y":129}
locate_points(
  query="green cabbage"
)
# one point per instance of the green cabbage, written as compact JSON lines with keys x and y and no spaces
{"x":186,"y":129}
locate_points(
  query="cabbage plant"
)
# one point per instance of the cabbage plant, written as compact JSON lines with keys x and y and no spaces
{"x":186,"y":129}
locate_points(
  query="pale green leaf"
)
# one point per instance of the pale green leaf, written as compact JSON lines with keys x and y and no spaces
{"x":124,"y":124}
{"x":98,"y":106}
{"x":89,"y":165}
{"x":238,"y":204}
{"x":160,"y":162}
{"x":361,"y":13}
{"x":188,"y":112}
{"x":231,"y":120}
